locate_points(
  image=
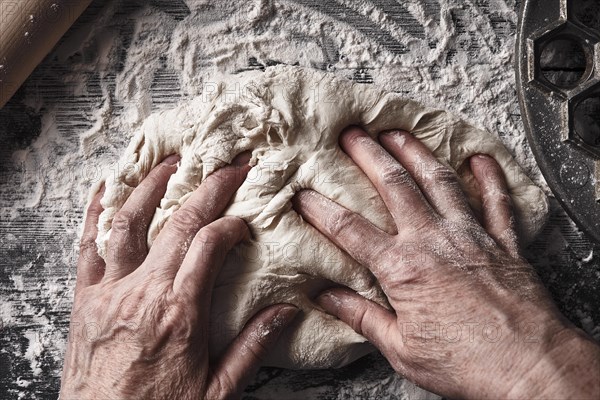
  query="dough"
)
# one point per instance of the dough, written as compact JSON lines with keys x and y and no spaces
{"x":291,"y":119}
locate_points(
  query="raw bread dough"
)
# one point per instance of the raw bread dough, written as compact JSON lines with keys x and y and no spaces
{"x":291,"y":119}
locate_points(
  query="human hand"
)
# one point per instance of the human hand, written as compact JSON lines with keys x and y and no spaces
{"x":470,"y":317}
{"x":139,"y":325}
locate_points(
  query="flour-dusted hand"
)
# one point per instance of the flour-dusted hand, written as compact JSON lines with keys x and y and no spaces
{"x":139,"y":325}
{"x":470,"y":317}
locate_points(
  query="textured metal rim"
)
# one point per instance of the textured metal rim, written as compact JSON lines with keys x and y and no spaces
{"x":569,"y":165}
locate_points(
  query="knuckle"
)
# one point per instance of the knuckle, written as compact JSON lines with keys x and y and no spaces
{"x":88,"y":251}
{"x":505,"y":199}
{"x":87,"y":242}
{"x":224,"y":387}
{"x":94,"y":209}
{"x":124,"y":221}
{"x":185,"y":217}
{"x":209,"y":240}
{"x":209,"y":235}
{"x":416,"y":222}
{"x":509,"y":238}
{"x":383,"y":254}
{"x":340,"y":221}
{"x":358,"y":318}
{"x":256,"y":348}
{"x":497,"y":198}
{"x":441,"y":174}
{"x":395,"y":174}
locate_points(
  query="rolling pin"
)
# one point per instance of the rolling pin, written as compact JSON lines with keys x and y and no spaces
{"x":29,"y":29}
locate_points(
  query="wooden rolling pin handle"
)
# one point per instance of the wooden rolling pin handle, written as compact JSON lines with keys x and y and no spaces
{"x":29,"y":29}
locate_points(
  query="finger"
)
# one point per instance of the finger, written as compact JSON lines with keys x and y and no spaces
{"x":200,"y":268}
{"x":498,"y":217}
{"x":205,"y":205}
{"x":393,"y":182}
{"x":127,"y":247}
{"x":90,"y":266}
{"x":438,"y":183}
{"x":244,"y":356}
{"x":366,"y":243}
{"x":366,"y":317}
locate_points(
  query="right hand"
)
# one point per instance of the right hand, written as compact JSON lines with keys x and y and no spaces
{"x":470,"y":317}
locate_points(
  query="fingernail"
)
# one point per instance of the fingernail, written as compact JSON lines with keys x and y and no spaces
{"x":172,"y":159}
{"x":391,"y":133}
{"x":242,"y":159}
{"x":300,"y":196}
{"x":286,"y":314}
{"x":396,"y":135}
{"x":289,"y":310}
{"x":328,"y":301}
{"x":353,"y":131}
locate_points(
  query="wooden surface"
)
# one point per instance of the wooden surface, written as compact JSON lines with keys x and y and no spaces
{"x":37,"y":234}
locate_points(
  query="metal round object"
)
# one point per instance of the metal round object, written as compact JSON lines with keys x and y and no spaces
{"x":558,"y":77}
{"x":563,"y":61}
{"x":587,"y":120}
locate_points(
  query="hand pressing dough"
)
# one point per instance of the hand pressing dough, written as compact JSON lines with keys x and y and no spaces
{"x":291,"y":119}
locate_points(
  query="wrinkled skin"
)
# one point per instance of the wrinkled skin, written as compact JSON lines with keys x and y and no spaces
{"x":470,"y":318}
{"x":139,"y":325}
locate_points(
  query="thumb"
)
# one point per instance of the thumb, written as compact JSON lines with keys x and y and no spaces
{"x":366,"y":317}
{"x":244,"y":356}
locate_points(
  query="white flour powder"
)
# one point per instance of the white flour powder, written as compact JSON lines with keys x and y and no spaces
{"x":122,"y":62}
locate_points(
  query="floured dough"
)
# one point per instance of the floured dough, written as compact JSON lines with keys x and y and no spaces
{"x":291,"y":119}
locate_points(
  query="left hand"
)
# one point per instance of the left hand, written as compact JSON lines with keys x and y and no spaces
{"x":139,"y":325}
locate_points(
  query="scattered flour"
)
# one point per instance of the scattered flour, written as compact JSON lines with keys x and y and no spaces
{"x":125,"y":60}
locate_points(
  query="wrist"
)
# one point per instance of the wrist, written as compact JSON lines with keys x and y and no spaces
{"x":540,"y":355}
{"x":569,"y":368}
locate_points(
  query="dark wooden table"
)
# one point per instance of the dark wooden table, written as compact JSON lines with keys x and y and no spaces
{"x":42,"y":126}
